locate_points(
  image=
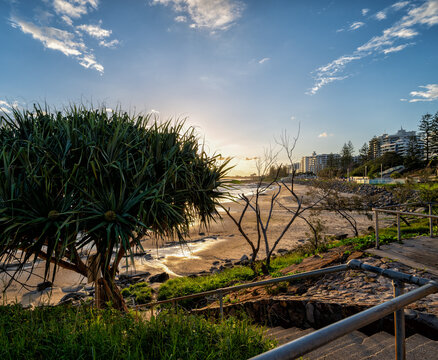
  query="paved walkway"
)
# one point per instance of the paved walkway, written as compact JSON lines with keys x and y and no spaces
{"x":420,"y":253}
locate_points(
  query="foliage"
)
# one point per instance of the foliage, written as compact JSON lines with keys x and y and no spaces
{"x":188,"y":285}
{"x":83,"y":333}
{"x":429,"y":135}
{"x":85,"y":178}
{"x":386,"y":161}
{"x":141,"y":292}
{"x":428,"y":192}
{"x":347,"y":152}
{"x":317,"y":228}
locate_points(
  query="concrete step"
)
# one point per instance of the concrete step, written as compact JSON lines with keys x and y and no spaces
{"x":368,"y":347}
{"x":290,"y":336}
{"x":355,"y":337}
{"x":272,"y":332}
{"x":358,"y":346}
{"x":413,"y":342}
{"x":428,"y":350}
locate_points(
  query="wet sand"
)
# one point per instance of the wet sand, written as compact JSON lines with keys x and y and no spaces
{"x":222,"y":241}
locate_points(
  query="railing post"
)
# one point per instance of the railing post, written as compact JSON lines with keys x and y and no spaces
{"x":376,"y":215}
{"x":430,"y":221}
{"x":399,"y":323}
{"x":221,"y":305}
{"x":398,"y":228}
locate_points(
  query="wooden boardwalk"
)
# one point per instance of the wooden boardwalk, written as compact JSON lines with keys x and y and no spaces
{"x":420,"y":253}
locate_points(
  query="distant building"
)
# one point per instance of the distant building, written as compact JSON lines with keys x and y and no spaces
{"x":398,"y":143}
{"x":316,"y":162}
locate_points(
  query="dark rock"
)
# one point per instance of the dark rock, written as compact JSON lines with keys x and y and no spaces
{"x":73,"y":296}
{"x":134,"y":277}
{"x":216,"y":262}
{"x":44,"y":285}
{"x":341,"y":236}
{"x":227,"y":260}
{"x":159,"y":278}
{"x":244,"y":258}
{"x":201,"y":234}
{"x":282,"y":251}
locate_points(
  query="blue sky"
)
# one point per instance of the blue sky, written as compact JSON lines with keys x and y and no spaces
{"x":240,"y":71}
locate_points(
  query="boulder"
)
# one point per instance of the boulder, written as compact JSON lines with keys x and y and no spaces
{"x":159,"y":278}
{"x":44,"y":285}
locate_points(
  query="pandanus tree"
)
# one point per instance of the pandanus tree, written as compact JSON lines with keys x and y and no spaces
{"x":84,"y":179}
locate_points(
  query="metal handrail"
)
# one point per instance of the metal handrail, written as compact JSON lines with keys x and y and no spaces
{"x":315,"y":340}
{"x":332,"y":332}
{"x":329,"y":333}
{"x":226,"y":290}
{"x":399,"y":213}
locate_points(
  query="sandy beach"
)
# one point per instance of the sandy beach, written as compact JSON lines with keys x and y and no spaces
{"x":222,"y":241}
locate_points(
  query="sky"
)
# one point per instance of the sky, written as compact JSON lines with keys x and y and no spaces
{"x":240,"y":72}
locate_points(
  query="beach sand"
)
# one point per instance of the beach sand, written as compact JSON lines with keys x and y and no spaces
{"x":222,"y":241}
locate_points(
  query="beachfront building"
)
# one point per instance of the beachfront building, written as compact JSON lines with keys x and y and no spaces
{"x":315,"y":163}
{"x":398,"y":143}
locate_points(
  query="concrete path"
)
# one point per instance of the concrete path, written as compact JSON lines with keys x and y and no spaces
{"x":420,"y":253}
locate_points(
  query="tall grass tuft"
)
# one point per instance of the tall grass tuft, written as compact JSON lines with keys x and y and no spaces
{"x":83,"y":333}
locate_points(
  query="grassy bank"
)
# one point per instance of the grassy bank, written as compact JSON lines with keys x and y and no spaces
{"x":187,"y":285}
{"x":83,"y":333}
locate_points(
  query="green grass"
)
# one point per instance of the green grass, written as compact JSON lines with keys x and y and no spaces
{"x":141,"y":292}
{"x":187,"y":285}
{"x":83,"y":333}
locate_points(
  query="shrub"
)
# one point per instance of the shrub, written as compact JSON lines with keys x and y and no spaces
{"x":141,"y":292}
{"x":85,"y":333}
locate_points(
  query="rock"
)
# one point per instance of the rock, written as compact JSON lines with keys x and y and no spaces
{"x":72,"y":289}
{"x":228,"y":260}
{"x":216,"y":262}
{"x":340,"y":236}
{"x":355,"y":255}
{"x":159,"y":278}
{"x":137,"y":276}
{"x":201,"y":234}
{"x":282,"y":251}
{"x":244,"y":258}
{"x":309,"y":313}
{"x":44,"y":285}
{"x":73,"y":296}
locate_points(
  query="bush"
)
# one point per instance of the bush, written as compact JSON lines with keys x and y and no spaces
{"x":141,"y":292}
{"x":83,"y":333}
{"x":186,"y":285}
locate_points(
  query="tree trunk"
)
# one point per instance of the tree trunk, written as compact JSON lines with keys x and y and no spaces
{"x":108,"y":292}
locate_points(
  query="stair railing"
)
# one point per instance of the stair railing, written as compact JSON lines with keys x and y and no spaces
{"x":399,"y":213}
{"x":332,"y":332}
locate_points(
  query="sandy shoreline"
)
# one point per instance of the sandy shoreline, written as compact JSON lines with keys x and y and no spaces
{"x":220,"y":242}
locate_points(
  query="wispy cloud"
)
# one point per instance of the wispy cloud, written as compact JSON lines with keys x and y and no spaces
{"x":6,"y":106}
{"x":365,"y":11}
{"x":59,"y":40}
{"x":74,"y":9}
{"x":70,"y":39}
{"x":425,"y":14}
{"x":356,"y":25}
{"x":181,"y":18}
{"x":95,"y":31}
{"x":211,"y":14}
{"x":430,"y":94}
{"x":262,"y":61}
{"x":381,"y":15}
{"x":396,"y":48}
{"x":324,"y":135}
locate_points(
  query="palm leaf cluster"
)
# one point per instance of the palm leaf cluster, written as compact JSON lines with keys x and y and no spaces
{"x":85,"y":178}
